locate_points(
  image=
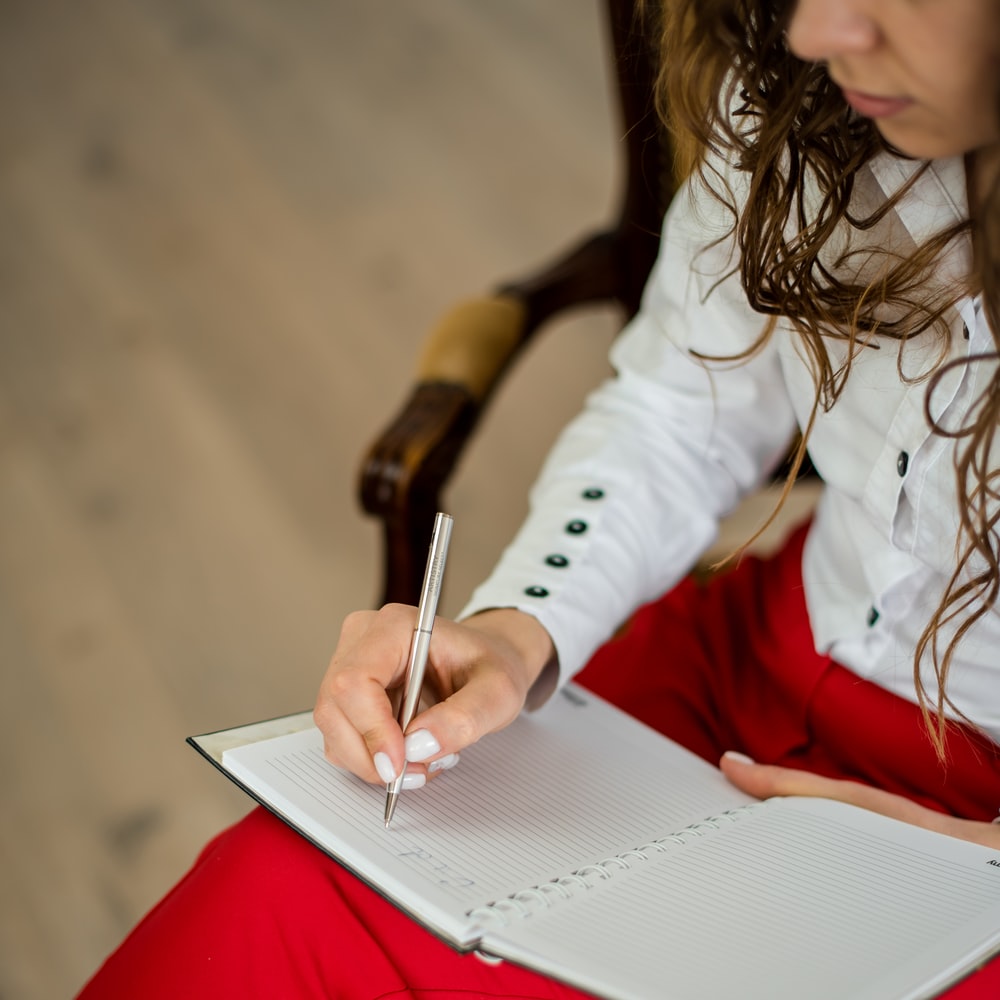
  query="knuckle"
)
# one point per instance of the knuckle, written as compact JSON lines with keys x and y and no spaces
{"x":393,"y":608}
{"x":390,"y":613}
{"x":506,"y":689}
{"x":373,"y":737}
{"x":464,"y":726}
{"x":322,"y":716}
{"x":339,"y":684}
{"x":354,"y":624}
{"x":353,"y":619}
{"x":331,"y":755}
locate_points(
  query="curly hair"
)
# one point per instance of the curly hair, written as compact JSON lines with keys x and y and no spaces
{"x":730,"y":85}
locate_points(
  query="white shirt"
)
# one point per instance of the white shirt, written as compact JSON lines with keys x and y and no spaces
{"x":635,"y":487}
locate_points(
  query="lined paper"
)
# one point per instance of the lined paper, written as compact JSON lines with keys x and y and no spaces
{"x":802,"y":898}
{"x":781,"y":899}
{"x":572,"y":784}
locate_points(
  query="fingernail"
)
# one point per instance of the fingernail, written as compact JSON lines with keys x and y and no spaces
{"x":443,"y":763}
{"x":384,"y":767}
{"x":413,"y":780}
{"x":421,"y":745}
{"x":742,"y":758}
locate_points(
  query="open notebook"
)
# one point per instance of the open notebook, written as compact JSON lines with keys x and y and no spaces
{"x":583,"y":844}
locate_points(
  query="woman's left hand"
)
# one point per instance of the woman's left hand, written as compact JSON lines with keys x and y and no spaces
{"x":764,"y":781}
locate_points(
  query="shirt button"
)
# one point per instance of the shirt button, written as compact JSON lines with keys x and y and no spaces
{"x":560,"y":562}
{"x":594,"y":493}
{"x":536,"y":591}
{"x":872,"y":616}
{"x":965,"y":330}
{"x":902,"y":463}
{"x":576,"y":527}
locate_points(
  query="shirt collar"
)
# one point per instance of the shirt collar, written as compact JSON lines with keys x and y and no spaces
{"x":938,"y":198}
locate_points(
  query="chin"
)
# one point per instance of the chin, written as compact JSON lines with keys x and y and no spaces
{"x":931,"y":144}
{"x":920,"y":147}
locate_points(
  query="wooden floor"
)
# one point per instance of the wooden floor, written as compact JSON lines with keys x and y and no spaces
{"x":224,"y":227}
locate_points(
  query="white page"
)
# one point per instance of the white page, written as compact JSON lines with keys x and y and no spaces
{"x":799,"y":898}
{"x":573,"y":783}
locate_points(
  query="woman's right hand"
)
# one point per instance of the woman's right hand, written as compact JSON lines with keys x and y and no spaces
{"x":479,"y":672}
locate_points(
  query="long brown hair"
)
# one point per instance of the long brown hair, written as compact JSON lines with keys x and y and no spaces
{"x":730,"y":86}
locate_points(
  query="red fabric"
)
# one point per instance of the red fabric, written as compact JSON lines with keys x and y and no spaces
{"x":264,"y":914}
{"x":740,"y":673}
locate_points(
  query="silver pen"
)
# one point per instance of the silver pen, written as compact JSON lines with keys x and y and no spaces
{"x":420,"y":644}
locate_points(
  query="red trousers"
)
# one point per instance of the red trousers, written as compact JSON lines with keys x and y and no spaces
{"x":265,"y":914}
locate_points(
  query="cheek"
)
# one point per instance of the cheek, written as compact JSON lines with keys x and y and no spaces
{"x":956,"y":111}
{"x":974,"y":107}
{"x":978,"y":69}
{"x":956,"y":66}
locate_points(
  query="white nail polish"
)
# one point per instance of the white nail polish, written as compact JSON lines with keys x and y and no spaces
{"x":443,"y":763}
{"x":742,"y":758}
{"x":421,"y":745}
{"x":384,"y":767}
{"x":413,"y":780}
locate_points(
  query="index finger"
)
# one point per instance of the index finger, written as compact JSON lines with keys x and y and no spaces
{"x":353,"y":708}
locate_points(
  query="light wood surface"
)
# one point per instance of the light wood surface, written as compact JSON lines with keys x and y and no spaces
{"x":224,"y":228}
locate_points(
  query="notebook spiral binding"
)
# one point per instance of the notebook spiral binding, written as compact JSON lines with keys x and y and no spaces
{"x":524,"y":902}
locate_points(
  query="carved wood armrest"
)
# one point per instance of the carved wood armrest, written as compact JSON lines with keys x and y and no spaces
{"x":404,"y":471}
{"x":473,"y":343}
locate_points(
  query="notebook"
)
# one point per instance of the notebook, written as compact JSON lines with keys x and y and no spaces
{"x":581,"y":843}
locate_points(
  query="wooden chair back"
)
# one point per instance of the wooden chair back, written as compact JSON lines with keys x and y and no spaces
{"x":466,"y":355}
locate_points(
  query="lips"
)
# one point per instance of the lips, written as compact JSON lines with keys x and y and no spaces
{"x":872,"y":106}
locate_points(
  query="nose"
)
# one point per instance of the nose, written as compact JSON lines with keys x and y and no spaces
{"x":824,"y":29}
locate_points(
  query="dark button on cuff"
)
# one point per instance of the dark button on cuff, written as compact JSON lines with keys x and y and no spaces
{"x":536,"y":591}
{"x":872,"y":616}
{"x":902,"y":463}
{"x":560,"y":562}
{"x":576,"y":527}
{"x":594,"y":493}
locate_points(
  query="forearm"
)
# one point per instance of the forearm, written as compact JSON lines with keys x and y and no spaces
{"x":633,"y":491}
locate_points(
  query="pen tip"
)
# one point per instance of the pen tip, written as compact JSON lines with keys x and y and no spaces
{"x":390,"y":807}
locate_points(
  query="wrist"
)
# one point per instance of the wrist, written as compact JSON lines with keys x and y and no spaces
{"x":526,"y":637}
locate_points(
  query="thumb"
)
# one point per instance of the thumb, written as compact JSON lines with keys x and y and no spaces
{"x":764,"y":781}
{"x":488,"y":702}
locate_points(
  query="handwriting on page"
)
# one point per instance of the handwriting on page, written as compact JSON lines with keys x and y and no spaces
{"x":485,"y":831}
{"x":353,"y":803}
{"x":442,"y":872}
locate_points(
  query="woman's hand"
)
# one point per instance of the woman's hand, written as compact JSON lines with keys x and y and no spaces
{"x":764,"y":781}
{"x":479,"y":672}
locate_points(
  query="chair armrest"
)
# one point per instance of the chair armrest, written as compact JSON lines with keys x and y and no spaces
{"x":473,"y":343}
{"x":406,"y":467}
{"x":463,"y":361}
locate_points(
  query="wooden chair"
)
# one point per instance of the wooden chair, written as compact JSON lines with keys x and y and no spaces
{"x":466,"y":355}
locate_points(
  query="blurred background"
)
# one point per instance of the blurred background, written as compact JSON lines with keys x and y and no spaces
{"x":224,"y":228}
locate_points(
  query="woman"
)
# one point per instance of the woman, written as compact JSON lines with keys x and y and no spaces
{"x":832,"y":266}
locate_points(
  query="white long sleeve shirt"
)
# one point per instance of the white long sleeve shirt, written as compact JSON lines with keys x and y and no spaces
{"x":635,"y":487}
